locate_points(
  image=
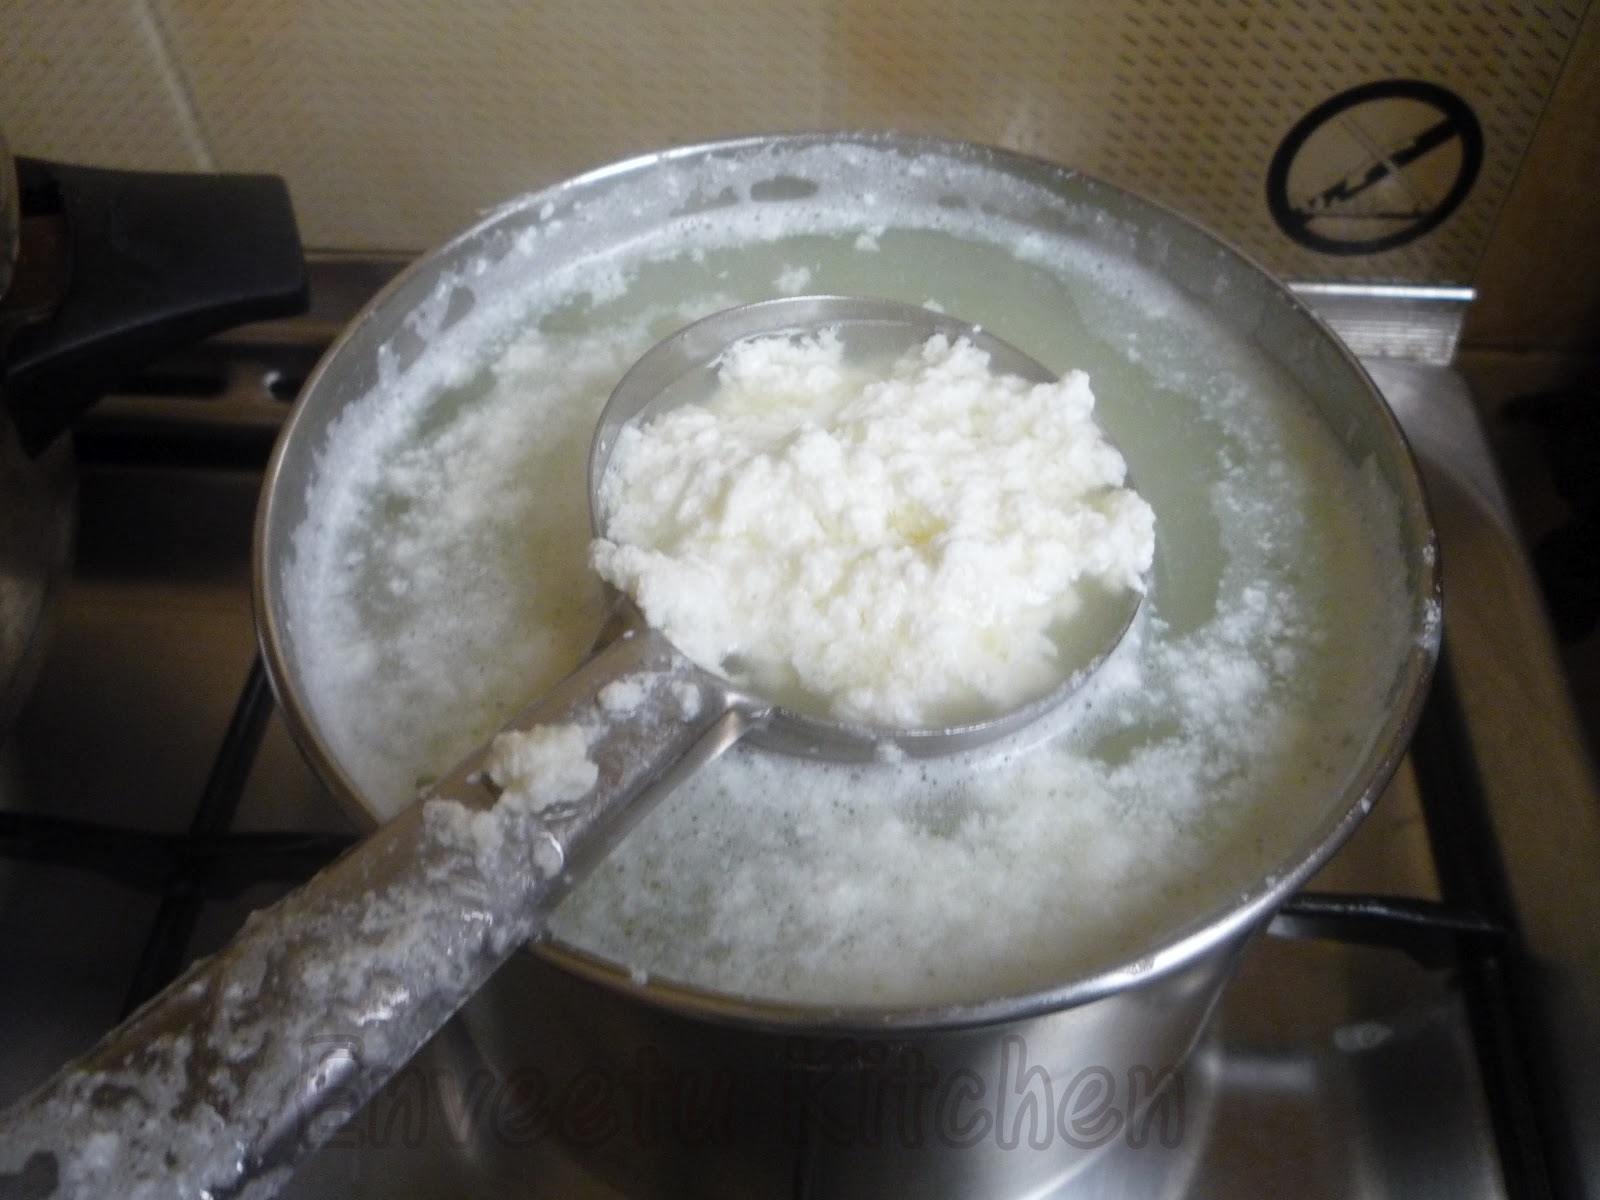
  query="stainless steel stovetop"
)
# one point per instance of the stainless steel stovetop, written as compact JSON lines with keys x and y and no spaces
{"x":1424,"y":1021}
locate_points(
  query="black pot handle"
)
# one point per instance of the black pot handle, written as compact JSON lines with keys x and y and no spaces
{"x":154,"y":261}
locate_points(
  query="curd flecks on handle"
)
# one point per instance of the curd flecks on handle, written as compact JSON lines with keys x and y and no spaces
{"x":891,"y":543}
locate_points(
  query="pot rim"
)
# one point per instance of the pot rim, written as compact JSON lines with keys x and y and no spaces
{"x":1222,"y":925}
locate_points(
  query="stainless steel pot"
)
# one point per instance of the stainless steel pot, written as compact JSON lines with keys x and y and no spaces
{"x":999,"y":1097}
{"x":101,"y":272}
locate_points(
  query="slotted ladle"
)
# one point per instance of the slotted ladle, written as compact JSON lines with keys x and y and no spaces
{"x":253,"y":1058}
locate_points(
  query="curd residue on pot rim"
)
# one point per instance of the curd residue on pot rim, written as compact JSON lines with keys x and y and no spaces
{"x":442,"y":581}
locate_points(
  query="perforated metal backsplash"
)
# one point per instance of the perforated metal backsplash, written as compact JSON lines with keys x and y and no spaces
{"x":1343,"y":140}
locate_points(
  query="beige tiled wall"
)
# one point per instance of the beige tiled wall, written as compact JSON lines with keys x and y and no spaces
{"x":93,"y":81}
{"x":1539,"y":280}
{"x":396,"y":121}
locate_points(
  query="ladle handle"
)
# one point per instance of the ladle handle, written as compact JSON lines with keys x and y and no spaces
{"x":256,"y":1055}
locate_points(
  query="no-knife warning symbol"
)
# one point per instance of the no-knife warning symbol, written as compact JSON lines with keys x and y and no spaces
{"x":1375,"y":167}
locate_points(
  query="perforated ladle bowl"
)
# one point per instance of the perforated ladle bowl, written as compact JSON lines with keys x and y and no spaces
{"x":392,"y":939}
{"x":683,"y":369}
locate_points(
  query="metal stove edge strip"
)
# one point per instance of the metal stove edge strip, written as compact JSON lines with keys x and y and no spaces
{"x":1539,"y":789}
{"x":1393,"y":321}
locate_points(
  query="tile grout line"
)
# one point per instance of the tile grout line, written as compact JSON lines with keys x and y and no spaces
{"x":177,"y":81}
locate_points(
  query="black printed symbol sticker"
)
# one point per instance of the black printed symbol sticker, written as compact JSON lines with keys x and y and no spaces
{"x":1375,"y":167}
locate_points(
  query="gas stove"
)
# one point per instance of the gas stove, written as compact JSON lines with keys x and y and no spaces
{"x":1423,"y":1019}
